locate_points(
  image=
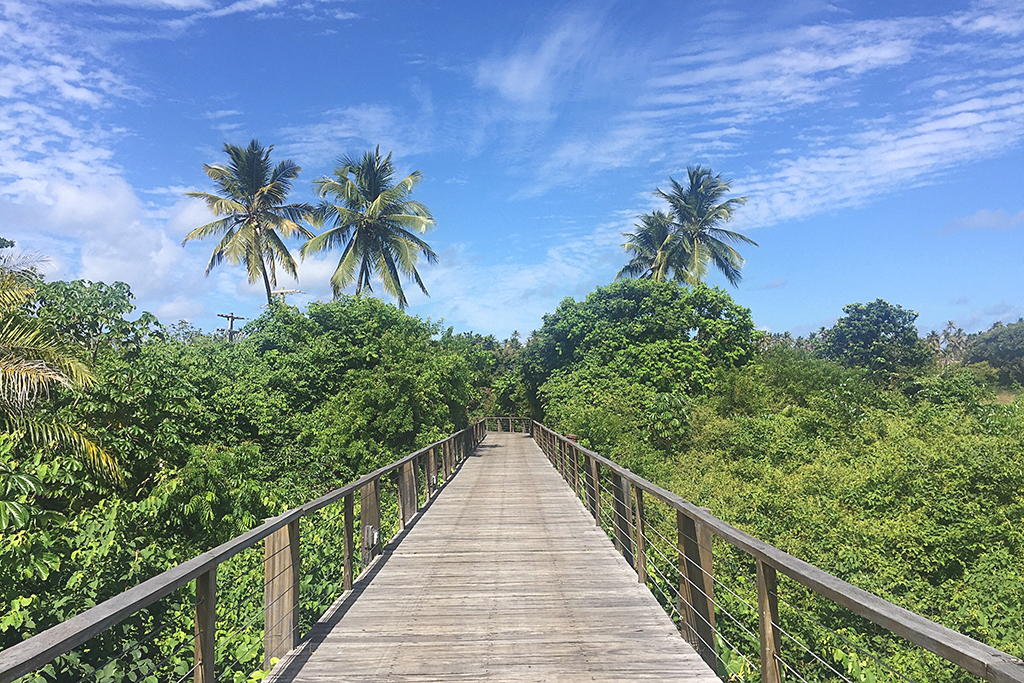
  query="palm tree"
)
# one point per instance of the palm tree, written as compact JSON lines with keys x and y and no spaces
{"x":656,"y":248}
{"x":32,"y":360}
{"x":375,"y":223}
{"x":255,"y":217}
{"x":697,"y":212}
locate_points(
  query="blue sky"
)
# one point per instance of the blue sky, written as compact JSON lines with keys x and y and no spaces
{"x":880,"y":143}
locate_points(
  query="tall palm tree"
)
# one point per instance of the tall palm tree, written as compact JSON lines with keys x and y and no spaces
{"x":255,"y":217}
{"x":657,"y":250}
{"x":375,"y":223}
{"x":697,"y":212}
{"x":33,"y":359}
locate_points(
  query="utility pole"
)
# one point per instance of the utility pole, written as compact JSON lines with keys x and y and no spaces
{"x":231,"y":331}
{"x":285,"y":292}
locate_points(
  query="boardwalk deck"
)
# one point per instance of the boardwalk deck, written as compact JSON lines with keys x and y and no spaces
{"x":503,"y":577}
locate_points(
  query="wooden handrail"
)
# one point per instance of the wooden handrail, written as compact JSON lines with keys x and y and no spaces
{"x":971,"y":655}
{"x":34,"y":653}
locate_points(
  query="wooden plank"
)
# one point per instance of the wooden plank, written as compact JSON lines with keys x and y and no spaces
{"x":205,"y":643}
{"x":768,"y":623}
{"x":281,"y":593}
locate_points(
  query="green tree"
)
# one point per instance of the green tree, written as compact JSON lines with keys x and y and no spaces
{"x":877,"y":336}
{"x":1002,"y":347}
{"x":657,"y":250}
{"x":255,"y":216}
{"x":698,"y":212}
{"x":375,"y":223}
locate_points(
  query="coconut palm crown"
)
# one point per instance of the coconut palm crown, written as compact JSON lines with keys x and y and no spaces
{"x":374,"y":222}
{"x":657,"y":250}
{"x":698,"y":212}
{"x":256,"y":220}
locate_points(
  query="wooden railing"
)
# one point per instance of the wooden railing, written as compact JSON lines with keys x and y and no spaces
{"x":509,"y":424}
{"x":421,"y":472}
{"x":693,"y":564}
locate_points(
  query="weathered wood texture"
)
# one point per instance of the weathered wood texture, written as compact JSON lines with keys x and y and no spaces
{"x":281,"y":568}
{"x":504,"y":577}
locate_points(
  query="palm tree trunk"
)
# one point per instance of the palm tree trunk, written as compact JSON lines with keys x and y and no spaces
{"x":266,"y":281}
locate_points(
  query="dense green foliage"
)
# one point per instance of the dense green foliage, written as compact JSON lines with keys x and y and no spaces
{"x":853,"y":449}
{"x":211,"y":437}
{"x":911,"y":488}
{"x":1002,"y":347}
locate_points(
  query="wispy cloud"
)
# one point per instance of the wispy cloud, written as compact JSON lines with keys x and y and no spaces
{"x":884,"y":105}
{"x":986,"y":219}
{"x":352,"y":129}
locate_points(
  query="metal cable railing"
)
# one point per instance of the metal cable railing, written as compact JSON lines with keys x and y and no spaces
{"x":213,"y":641}
{"x":623,"y":504}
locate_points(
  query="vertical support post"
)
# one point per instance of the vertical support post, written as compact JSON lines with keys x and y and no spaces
{"x":406,"y":493}
{"x":431,"y":473}
{"x":590,"y":475}
{"x":595,"y":476}
{"x":641,"y":542}
{"x":206,"y":627}
{"x":349,"y":523}
{"x":768,"y":620}
{"x":575,"y":469}
{"x":369,"y":514}
{"x":623,"y":516}
{"x":281,"y":592}
{"x":696,"y":587}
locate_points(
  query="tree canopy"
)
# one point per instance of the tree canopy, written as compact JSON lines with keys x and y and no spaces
{"x":878,"y":336}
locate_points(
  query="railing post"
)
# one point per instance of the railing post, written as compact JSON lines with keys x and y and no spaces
{"x":206,"y":627}
{"x":590,"y":474}
{"x":641,"y":545}
{"x":281,"y":592}
{"x":406,"y":493}
{"x":431,"y":473}
{"x":595,"y":469}
{"x":768,"y":621}
{"x":623,"y":516}
{"x":347,"y":561}
{"x":575,"y":469}
{"x":696,"y":588}
{"x":369,"y":515}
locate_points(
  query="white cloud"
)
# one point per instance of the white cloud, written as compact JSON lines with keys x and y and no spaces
{"x":356,"y":128}
{"x":986,"y":219}
{"x":530,"y":75}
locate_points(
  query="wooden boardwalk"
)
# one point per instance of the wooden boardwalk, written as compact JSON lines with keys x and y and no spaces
{"x":503,"y":577}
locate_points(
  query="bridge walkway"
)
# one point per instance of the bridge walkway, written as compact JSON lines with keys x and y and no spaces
{"x":504,"y":576}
